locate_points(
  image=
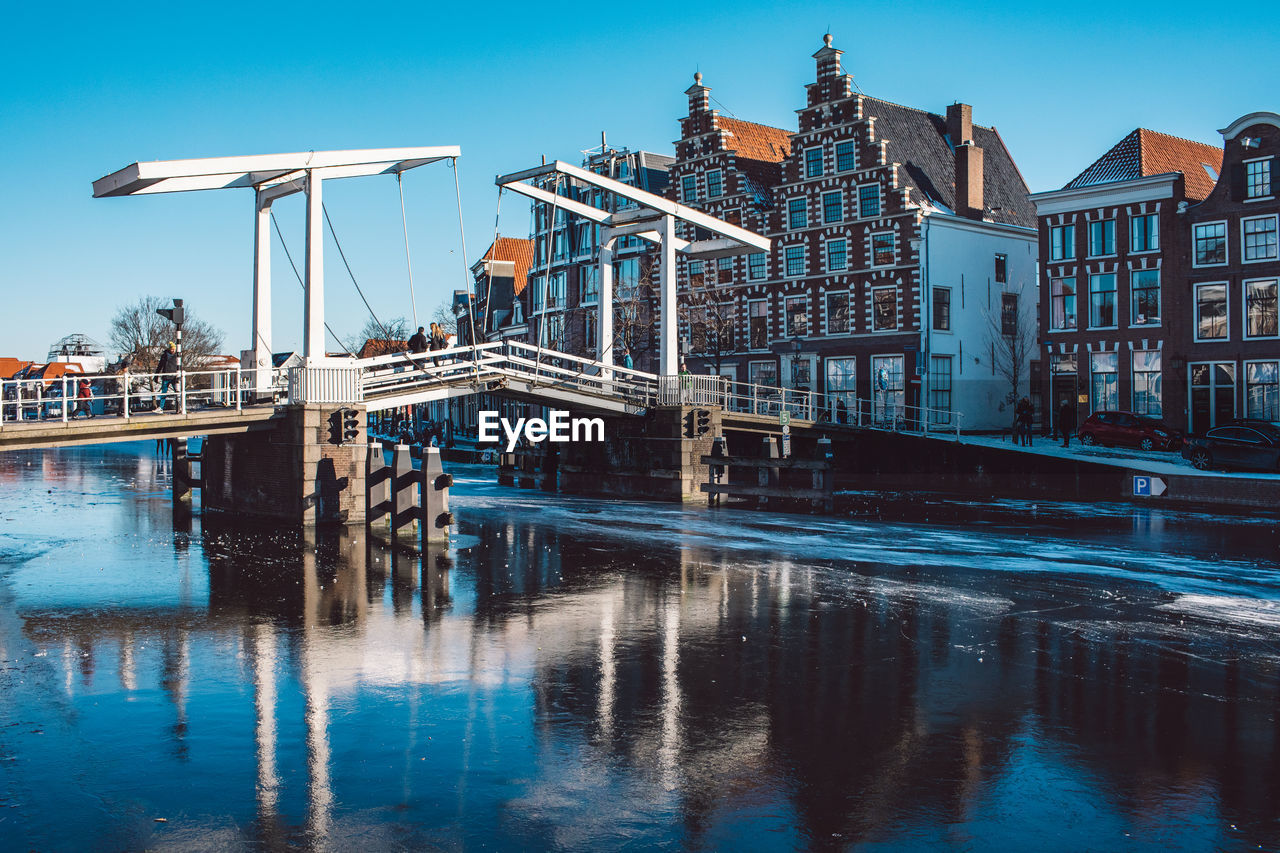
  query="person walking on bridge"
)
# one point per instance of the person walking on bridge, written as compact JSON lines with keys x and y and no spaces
{"x":438,"y":338}
{"x":168,"y":369}
{"x":418,"y":343}
{"x":84,"y":398}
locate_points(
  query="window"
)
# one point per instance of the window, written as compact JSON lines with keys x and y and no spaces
{"x":837,"y":256}
{"x":756,"y":266}
{"x":589,"y":330}
{"x":813,"y":163}
{"x":1102,"y":301}
{"x":689,"y":188}
{"x":1259,"y":238}
{"x":869,"y":201}
{"x":795,"y":260}
{"x":797,"y":215}
{"x":695,"y":274}
{"x":1262,"y":390}
{"x":884,"y":309}
{"x":715,"y":184}
{"x":797,"y":316}
{"x":832,"y":207}
{"x":539,"y":290}
{"x":1102,"y":238}
{"x":1257,"y":179}
{"x":758,"y":324}
{"x":560,"y":244}
{"x":942,"y":309}
{"x":1104,"y":386}
{"x":724,"y":270}
{"x":1144,"y":233}
{"x":886,"y":383}
{"x":763,"y":373}
{"x":1062,"y":242}
{"x":589,"y":279}
{"x":842,"y":388}
{"x":626,"y":278}
{"x":1144,"y":290}
{"x":1146,"y":383}
{"x":1211,"y":312}
{"x":556,"y":288}
{"x":838,"y":313}
{"x":1260,"y":309}
{"x":1002,"y":269}
{"x":881,"y":250}
{"x":584,"y":238}
{"x":553,"y":331}
{"x":846,"y":159}
{"x":1211,"y":244}
{"x":1009,"y":314}
{"x":940,"y":389}
{"x":1062,"y":310}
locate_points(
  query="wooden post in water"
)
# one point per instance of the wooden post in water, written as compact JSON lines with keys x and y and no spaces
{"x":378,"y":488}
{"x":436,"y":517}
{"x":404,"y":495}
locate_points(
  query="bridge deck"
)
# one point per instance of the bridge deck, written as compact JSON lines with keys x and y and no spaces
{"x":22,"y":435}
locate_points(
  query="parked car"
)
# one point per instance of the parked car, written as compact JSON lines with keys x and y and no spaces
{"x":1108,"y":428}
{"x":1254,"y":445}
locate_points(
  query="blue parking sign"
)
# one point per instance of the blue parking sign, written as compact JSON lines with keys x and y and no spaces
{"x":1142,"y":486}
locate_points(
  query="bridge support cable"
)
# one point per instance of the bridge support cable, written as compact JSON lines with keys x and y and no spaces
{"x":359,"y":290}
{"x":408,"y":262}
{"x":302,"y":285}
{"x":466,"y":270}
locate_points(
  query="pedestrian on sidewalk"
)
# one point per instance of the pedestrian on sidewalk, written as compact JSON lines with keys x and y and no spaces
{"x":84,"y":398}
{"x":1024,"y":414}
{"x":168,"y":369}
{"x":1066,"y":421}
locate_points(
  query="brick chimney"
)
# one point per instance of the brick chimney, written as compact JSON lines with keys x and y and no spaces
{"x":969,"y":201}
{"x":960,"y":124}
{"x":699,"y":96}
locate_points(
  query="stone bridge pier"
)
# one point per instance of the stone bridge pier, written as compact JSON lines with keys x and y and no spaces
{"x":295,"y":473}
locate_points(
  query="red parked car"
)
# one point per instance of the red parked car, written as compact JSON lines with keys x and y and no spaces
{"x":1108,"y":428}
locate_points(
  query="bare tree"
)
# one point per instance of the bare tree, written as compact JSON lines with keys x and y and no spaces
{"x":633,"y":318}
{"x":1011,"y":334}
{"x":444,"y":318}
{"x":139,"y":334}
{"x":395,"y":329}
{"x":709,"y":313}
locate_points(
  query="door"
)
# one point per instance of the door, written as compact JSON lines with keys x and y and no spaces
{"x":1213,"y":395}
{"x":842,"y":389}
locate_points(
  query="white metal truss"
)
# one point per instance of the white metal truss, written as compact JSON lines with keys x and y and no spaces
{"x":653,"y":220}
{"x":274,"y":176}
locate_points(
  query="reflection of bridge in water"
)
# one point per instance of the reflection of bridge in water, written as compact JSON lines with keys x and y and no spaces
{"x":694,"y":679}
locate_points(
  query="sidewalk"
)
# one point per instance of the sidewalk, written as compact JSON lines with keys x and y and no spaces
{"x":1145,"y":461}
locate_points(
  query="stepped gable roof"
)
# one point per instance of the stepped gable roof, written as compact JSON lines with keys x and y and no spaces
{"x":1147,"y":152}
{"x":518,"y":250}
{"x":918,"y":140}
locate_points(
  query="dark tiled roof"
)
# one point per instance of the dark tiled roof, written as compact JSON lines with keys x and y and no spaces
{"x":1146,"y":152}
{"x":917,"y":140}
{"x":516,"y":249}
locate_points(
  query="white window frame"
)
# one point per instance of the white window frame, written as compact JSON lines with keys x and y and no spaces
{"x":839,"y":208}
{"x":872,"y":247}
{"x":1155,"y":233}
{"x":791,"y":211}
{"x":933,"y":301}
{"x":1089,"y":234}
{"x":827,"y":251}
{"x":786,"y":266}
{"x":719,"y":180}
{"x":822,"y":167}
{"x":1226,"y":243}
{"x":767,"y":336}
{"x":853,"y":146}
{"x":1275,"y":219}
{"x":807,"y":300}
{"x":1245,"y":164}
{"x":1195,"y":312}
{"x":826,"y":306}
{"x":1071,"y":245}
{"x":1115,"y":301}
{"x":1244,"y":380}
{"x":1075,"y":295}
{"x":879,"y":201}
{"x":689,"y":188}
{"x":1159,"y":295}
{"x":897,"y":319}
{"x":764,"y":266}
{"x":1244,"y":308}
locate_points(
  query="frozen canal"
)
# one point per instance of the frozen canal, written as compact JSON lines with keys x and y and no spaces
{"x":578,"y":675}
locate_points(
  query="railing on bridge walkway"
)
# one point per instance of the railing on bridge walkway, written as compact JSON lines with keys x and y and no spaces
{"x":127,"y":395}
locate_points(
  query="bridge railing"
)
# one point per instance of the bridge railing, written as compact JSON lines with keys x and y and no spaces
{"x":129,"y":394}
{"x":882,"y":411}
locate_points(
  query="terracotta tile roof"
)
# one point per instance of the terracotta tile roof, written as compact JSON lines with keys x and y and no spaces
{"x":755,"y":141}
{"x":10,"y":366}
{"x":374,"y":347}
{"x":1146,"y":152}
{"x":516,"y":249}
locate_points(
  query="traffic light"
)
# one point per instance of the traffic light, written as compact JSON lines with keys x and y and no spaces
{"x":690,"y":425}
{"x":702,"y":422}
{"x":176,"y":315}
{"x":350,"y":426}
{"x":335,"y":427}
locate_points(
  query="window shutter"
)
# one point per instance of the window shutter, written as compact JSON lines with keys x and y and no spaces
{"x":1275,"y":175}
{"x":1237,"y":182}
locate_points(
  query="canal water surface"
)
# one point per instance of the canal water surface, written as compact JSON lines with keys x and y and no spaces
{"x":582,"y":675}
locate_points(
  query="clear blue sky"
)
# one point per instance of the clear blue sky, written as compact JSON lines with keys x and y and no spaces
{"x":86,"y":89}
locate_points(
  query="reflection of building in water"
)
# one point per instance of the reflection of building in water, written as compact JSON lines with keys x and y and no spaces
{"x":841,"y":698}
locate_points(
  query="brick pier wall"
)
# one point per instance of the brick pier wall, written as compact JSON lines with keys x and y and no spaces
{"x":293,"y":473}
